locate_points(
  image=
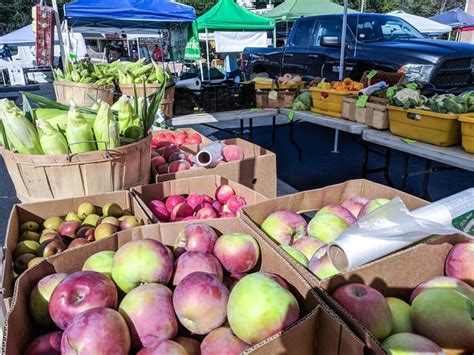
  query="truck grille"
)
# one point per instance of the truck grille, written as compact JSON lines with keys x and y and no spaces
{"x":453,"y":73}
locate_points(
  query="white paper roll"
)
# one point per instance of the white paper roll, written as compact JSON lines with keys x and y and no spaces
{"x":210,"y":156}
{"x":191,"y":84}
{"x":392,"y":227}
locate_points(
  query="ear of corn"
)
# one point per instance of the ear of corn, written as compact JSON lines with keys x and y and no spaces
{"x":78,"y":133}
{"x":129,"y":123}
{"x":106,"y":128}
{"x":52,"y":141}
{"x":19,"y":131}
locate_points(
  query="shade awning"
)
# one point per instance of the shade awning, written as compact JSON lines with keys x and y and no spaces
{"x":139,"y":15}
{"x":23,"y":37}
{"x":291,"y":10}
{"x":227,"y":15}
{"x":455,"y":18}
{"x":422,"y":24}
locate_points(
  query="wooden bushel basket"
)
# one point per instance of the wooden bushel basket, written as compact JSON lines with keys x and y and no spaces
{"x":167,"y":101}
{"x":84,"y":95}
{"x":46,"y":177}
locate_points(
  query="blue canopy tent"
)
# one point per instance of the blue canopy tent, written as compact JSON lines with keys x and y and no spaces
{"x":455,"y":18}
{"x":132,"y":16}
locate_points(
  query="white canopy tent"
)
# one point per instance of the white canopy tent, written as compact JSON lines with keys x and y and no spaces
{"x":422,"y":24}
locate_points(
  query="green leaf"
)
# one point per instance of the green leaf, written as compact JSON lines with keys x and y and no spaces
{"x":43,"y":101}
{"x":28,"y":110}
{"x":4,"y":136}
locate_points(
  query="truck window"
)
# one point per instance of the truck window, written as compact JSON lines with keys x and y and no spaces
{"x":378,"y":28}
{"x":302,"y":34}
{"x":331,"y":28}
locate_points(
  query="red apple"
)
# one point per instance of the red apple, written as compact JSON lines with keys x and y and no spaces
{"x":47,"y":344}
{"x":200,"y":302}
{"x":178,"y":165}
{"x":149,"y":313}
{"x":206,"y":213}
{"x":160,"y":210}
{"x":79,"y":292}
{"x":192,"y":261}
{"x":174,"y":200}
{"x":163,"y":169}
{"x":96,"y":331}
{"x":69,"y":228}
{"x":181,"y":210}
{"x":196,"y":237}
{"x":77,"y":243}
{"x":40,"y":297}
{"x":194,"y":200}
{"x":368,"y":306}
{"x":223,"y":193}
{"x":222,"y":338}
{"x":233,"y":152}
{"x":238,"y":252}
{"x":165,"y":347}
{"x":158,"y":161}
{"x":235,"y":203}
{"x":460,"y":262}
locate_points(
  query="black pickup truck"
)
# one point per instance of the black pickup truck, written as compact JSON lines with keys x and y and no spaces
{"x":374,"y":41}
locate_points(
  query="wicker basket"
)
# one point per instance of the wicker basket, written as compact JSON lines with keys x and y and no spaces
{"x":47,"y":177}
{"x":167,"y":101}
{"x":83,"y":95}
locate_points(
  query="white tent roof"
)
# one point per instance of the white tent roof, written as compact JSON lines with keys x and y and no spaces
{"x":422,"y":24}
{"x":22,"y":37}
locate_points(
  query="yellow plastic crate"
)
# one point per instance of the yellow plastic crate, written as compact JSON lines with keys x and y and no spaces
{"x":467,"y":131}
{"x":328,"y":101}
{"x":425,"y":126}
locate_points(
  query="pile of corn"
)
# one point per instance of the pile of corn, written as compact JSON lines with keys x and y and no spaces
{"x":116,"y":72}
{"x":56,"y":131}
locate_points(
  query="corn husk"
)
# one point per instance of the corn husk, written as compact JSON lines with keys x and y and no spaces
{"x":106,"y":129}
{"x":78,"y":133}
{"x":129,"y":123}
{"x":52,"y":141}
{"x":58,"y":118}
{"x":20,"y":132}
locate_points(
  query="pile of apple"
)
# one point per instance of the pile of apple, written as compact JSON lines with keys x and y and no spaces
{"x":194,"y":206}
{"x":79,"y":227}
{"x":307,"y":242}
{"x":177,"y":138}
{"x":169,"y":158}
{"x":438,"y":315}
{"x":207,"y":301}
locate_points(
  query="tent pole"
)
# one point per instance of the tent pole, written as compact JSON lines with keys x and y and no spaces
{"x":274,"y":35}
{"x":342,"y":65}
{"x":207,"y":54}
{"x":138,"y":48}
{"x":202,"y":71}
{"x":60,"y":37}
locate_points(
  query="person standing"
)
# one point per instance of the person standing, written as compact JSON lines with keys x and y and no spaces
{"x":5,"y":52}
{"x":157,"y":54}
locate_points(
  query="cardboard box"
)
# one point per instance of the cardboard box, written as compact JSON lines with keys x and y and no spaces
{"x":201,"y":185}
{"x":189,"y":131}
{"x":319,"y":331}
{"x":256,"y":171}
{"x":312,"y":200}
{"x":396,"y":275}
{"x":39,"y":211}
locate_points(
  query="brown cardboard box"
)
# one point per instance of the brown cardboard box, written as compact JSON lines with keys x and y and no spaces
{"x":395,"y":275}
{"x":201,"y":184}
{"x":319,"y":330}
{"x":39,"y":211}
{"x":189,"y":131}
{"x":256,"y":171}
{"x":312,"y":200}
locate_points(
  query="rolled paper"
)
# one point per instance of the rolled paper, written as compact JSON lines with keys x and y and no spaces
{"x":373,"y":88}
{"x":392,"y":227}
{"x":191,"y":84}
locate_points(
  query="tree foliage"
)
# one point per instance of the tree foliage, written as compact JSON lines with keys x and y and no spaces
{"x":16,"y":13}
{"x":201,"y":6}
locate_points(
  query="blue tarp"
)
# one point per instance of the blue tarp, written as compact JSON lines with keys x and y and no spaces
{"x":22,"y":37}
{"x":123,"y":14}
{"x":455,"y":18}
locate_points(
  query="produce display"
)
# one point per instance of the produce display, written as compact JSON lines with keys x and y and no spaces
{"x":116,"y":72}
{"x":409,"y":96}
{"x":167,"y":157}
{"x":345,"y":85}
{"x":437,"y":315}
{"x":175,"y":208}
{"x":302,"y":101}
{"x":285,"y":80}
{"x":57,"y":233}
{"x":53,"y":128}
{"x":307,"y":242}
{"x":210,"y":300}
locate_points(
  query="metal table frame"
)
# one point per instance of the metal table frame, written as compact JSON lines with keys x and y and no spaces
{"x":454,"y":157}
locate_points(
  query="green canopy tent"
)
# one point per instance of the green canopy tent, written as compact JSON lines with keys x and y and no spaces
{"x":291,"y":10}
{"x":227,"y":15}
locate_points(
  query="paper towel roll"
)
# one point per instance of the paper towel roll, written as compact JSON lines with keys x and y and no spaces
{"x":392,"y":227}
{"x":191,"y":84}
{"x":373,"y":88}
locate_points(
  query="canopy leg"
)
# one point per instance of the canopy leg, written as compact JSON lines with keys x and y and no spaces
{"x":207,"y":54}
{"x":336,"y":142}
